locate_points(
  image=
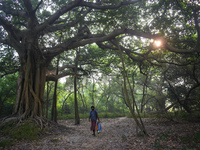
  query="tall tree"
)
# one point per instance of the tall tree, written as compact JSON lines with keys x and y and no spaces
{"x":77,"y":118}
{"x":54,"y":105}
{"x":24,"y":28}
{"x":32,"y":28}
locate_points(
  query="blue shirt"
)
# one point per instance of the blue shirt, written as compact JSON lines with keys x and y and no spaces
{"x":93,"y":115}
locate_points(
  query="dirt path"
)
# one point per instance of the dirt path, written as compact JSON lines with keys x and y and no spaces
{"x":114,"y":131}
{"x":117,"y":134}
{"x":111,"y":137}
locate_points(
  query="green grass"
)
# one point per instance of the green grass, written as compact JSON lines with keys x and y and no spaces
{"x":82,"y":116}
{"x":191,"y":140}
{"x":27,"y":130}
{"x":109,"y":115}
{"x":5,"y":142}
{"x":142,"y":115}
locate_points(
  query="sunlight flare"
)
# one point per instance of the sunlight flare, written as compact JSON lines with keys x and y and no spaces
{"x":158,"y":43}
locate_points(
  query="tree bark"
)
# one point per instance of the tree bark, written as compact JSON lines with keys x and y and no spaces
{"x":54,"y":106}
{"x":47,"y":100}
{"x":30,"y":86}
{"x":77,"y":118}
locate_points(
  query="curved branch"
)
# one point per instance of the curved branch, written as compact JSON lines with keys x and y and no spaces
{"x":28,"y":5}
{"x":4,"y":41}
{"x":82,"y":41}
{"x":55,"y":16}
{"x":97,"y":6}
{"x":38,"y":5}
{"x":176,"y":50}
{"x":9,"y":72}
{"x":56,"y":77}
{"x":9,"y":27}
{"x":197,"y":27}
{"x":13,"y":11}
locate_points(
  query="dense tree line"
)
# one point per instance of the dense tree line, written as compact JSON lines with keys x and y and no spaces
{"x":43,"y":41}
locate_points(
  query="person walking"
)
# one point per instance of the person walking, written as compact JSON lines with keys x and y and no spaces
{"x":93,"y":118}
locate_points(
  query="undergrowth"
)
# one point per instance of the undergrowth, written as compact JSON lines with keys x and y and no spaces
{"x":82,"y":116}
{"x":191,"y":140}
{"x":26,"y":130}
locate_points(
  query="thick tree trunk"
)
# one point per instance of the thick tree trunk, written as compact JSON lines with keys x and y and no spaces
{"x":30,"y":87}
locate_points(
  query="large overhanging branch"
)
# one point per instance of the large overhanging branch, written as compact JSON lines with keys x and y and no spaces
{"x":28,"y":5}
{"x":176,"y":50}
{"x":56,"y":77}
{"x":77,"y":3}
{"x":4,"y":41}
{"x":55,"y":16}
{"x":57,"y":26}
{"x":113,"y":47}
{"x":103,"y":7}
{"x":197,"y":26}
{"x":13,"y":11}
{"x":72,"y":67}
{"x":165,"y":43}
{"x":77,"y":42}
{"x":8,"y":27}
{"x":9,"y":72}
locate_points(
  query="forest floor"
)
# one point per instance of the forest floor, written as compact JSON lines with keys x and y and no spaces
{"x":117,"y":134}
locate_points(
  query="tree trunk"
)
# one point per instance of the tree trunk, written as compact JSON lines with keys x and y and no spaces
{"x":47,"y":100}
{"x":93,"y":86}
{"x":143,"y":94}
{"x":77,"y":118}
{"x":54,"y":105}
{"x":30,"y":86}
{"x":1,"y":108}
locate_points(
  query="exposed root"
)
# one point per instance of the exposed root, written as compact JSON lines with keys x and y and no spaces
{"x":40,"y":121}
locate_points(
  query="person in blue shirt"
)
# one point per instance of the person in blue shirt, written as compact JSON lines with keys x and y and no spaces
{"x":93,"y":117}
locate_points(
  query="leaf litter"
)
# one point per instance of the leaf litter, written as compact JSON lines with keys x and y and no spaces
{"x":117,"y":134}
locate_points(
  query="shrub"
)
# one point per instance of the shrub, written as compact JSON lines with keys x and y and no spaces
{"x":26,"y":130}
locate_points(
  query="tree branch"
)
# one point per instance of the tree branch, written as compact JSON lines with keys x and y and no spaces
{"x":97,"y":6}
{"x":56,"y":77}
{"x":197,"y":26}
{"x":11,"y":30}
{"x":28,"y":5}
{"x":9,"y":72}
{"x":13,"y":11}
{"x":38,"y":5}
{"x":4,"y":41}
{"x":55,"y":16}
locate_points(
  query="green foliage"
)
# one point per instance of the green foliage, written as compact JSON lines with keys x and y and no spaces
{"x":191,"y":140}
{"x":124,"y":138}
{"x":83,"y":116}
{"x":7,"y":94}
{"x":26,"y":130}
{"x":157,"y":145}
{"x":164,"y":135}
{"x":55,"y":140}
{"x":142,"y":115}
{"x":109,"y":115}
{"x":5,"y":142}
{"x":8,"y":61}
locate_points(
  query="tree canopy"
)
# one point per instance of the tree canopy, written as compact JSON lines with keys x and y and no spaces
{"x":159,"y":41}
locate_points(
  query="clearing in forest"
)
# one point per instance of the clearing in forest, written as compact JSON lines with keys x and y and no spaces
{"x":117,"y":134}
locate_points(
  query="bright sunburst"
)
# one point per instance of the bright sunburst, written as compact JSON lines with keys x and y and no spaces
{"x":158,"y":43}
